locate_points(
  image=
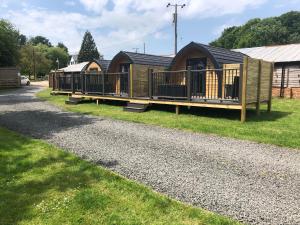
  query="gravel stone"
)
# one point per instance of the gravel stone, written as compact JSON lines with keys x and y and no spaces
{"x":253,"y":183}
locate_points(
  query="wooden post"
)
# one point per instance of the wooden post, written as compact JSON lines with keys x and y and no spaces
{"x":150,"y":82}
{"x":244,"y":91}
{"x":271,"y":86}
{"x":103,"y":84}
{"x":188,"y":84}
{"x":177,"y":109}
{"x":53,"y":80}
{"x":97,"y":101}
{"x":130,"y":81}
{"x":73,"y":83}
{"x":258,"y":87}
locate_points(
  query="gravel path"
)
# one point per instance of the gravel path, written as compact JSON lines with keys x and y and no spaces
{"x":254,"y":183}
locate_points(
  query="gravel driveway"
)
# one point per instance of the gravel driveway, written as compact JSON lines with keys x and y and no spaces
{"x":254,"y":183}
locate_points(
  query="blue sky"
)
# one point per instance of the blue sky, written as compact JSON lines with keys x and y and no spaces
{"x":126,"y":24}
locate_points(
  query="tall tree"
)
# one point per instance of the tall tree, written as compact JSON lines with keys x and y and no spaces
{"x":22,"y":39}
{"x":40,"y":40}
{"x":56,"y":53}
{"x":284,"y":29}
{"x":88,"y":50}
{"x":33,"y":61}
{"x":9,"y":44}
{"x":61,"y":45}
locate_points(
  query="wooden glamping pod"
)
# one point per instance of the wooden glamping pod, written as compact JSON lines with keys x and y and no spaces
{"x":69,"y":79}
{"x":128,"y":73}
{"x":206,"y":76}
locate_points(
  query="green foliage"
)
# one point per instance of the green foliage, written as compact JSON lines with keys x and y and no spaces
{"x":284,"y":29}
{"x":33,"y":60}
{"x":9,"y":44}
{"x":41,"y":184}
{"x":61,"y":45}
{"x":40,"y":40}
{"x":280,"y":127}
{"x":55,"y":53}
{"x":88,"y":50}
{"x":22,"y":40}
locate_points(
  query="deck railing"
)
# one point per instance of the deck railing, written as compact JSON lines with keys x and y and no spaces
{"x":197,"y":85}
{"x":185,"y":85}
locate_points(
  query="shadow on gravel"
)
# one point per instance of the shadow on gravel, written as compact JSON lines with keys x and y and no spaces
{"x":42,"y":124}
{"x":107,"y":163}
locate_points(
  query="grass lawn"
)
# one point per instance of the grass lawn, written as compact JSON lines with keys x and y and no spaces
{"x":41,"y":184}
{"x":280,"y":127}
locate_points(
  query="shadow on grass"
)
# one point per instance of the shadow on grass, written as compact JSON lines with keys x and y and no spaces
{"x":25,"y":182}
{"x":223,"y":113}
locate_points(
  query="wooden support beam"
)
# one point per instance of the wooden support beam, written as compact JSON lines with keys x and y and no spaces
{"x":258,"y":87}
{"x":177,"y":109}
{"x":188,"y":84}
{"x":244,"y":91}
{"x":130,"y":82}
{"x":271,"y":86}
{"x":97,"y":101}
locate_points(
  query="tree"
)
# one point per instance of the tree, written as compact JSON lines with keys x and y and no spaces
{"x":40,"y":40}
{"x":33,"y":61}
{"x":22,"y":39}
{"x":284,"y":29}
{"x":61,"y":45}
{"x":55,"y":53}
{"x":9,"y":44}
{"x":88,"y":50}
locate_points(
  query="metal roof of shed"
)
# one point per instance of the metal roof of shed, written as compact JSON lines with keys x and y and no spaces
{"x":279,"y":53}
{"x":75,"y":67}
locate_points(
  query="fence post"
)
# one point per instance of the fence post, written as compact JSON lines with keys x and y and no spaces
{"x":53,"y":80}
{"x":258,"y":87}
{"x":150,"y":82}
{"x":188,"y":84}
{"x":82,"y":83}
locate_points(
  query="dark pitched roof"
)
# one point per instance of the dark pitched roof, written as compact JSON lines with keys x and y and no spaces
{"x":146,"y":59}
{"x":103,"y":63}
{"x":219,"y":56}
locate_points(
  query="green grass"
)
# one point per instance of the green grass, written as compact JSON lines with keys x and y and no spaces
{"x":280,"y":127}
{"x":41,"y":184}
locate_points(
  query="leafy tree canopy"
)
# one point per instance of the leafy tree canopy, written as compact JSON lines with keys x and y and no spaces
{"x":9,"y":44}
{"x":40,"y":40}
{"x":88,"y":50}
{"x":284,"y":29}
{"x":61,"y":45}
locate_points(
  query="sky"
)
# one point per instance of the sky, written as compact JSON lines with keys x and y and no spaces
{"x":127,"y":24}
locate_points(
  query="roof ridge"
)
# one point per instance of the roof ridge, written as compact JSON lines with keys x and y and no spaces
{"x":138,"y":53}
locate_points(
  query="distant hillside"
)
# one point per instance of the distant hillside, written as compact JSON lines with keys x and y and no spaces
{"x":284,"y":29}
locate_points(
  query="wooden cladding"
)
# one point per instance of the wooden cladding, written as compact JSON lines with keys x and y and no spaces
{"x":259,"y":79}
{"x":9,"y":77}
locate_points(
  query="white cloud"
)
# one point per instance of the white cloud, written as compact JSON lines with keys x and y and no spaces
{"x":117,"y":24}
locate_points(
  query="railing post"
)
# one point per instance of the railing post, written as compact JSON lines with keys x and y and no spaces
{"x":188,"y":84}
{"x":73,"y":83}
{"x":241,"y":83}
{"x":103,"y":86}
{"x":244,"y":90}
{"x":150,"y":82}
{"x":82,"y":83}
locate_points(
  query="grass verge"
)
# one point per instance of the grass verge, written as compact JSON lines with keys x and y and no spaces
{"x":280,"y":127}
{"x":41,"y":184}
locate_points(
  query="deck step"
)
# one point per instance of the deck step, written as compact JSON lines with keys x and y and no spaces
{"x":73,"y":101}
{"x":135,"y":107}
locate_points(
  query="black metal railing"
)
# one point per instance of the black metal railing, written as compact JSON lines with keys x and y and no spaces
{"x":193,"y":85}
{"x":186,"y":85}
